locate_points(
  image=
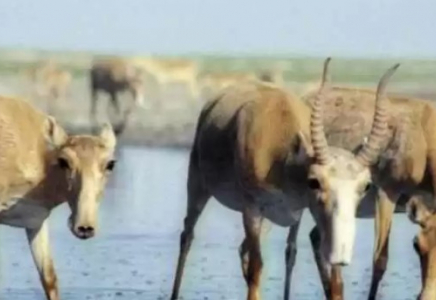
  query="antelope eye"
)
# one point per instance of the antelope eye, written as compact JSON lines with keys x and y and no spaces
{"x":367,"y":187}
{"x":314,"y":184}
{"x":63,"y":163}
{"x":110,"y":165}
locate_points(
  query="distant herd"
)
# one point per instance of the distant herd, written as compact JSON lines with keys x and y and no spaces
{"x":342,"y":152}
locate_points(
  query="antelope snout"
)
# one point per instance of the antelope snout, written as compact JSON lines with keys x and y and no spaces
{"x":82,"y":230}
{"x":341,"y":257}
{"x":343,"y":232}
{"x":85,"y":232}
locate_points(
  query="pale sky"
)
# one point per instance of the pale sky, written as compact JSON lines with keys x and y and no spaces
{"x":402,"y":28}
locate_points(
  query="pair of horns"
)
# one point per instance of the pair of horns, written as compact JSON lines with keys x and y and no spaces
{"x":371,"y":149}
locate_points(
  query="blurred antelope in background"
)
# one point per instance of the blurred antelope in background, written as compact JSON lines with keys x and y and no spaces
{"x":51,"y":82}
{"x":216,"y":81}
{"x":170,"y":71}
{"x":113,"y":76}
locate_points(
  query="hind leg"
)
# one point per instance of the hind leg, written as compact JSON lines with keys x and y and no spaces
{"x":290,"y":255}
{"x":243,"y":255}
{"x":252,"y":226}
{"x":197,"y":199}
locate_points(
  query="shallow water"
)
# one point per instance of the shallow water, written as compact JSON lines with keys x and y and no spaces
{"x":135,"y":252}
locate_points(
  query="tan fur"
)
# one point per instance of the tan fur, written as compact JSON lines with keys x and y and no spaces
{"x":425,"y":245}
{"x":51,"y":81}
{"x":410,"y":140}
{"x":406,"y":166}
{"x":269,"y":126}
{"x":219,"y":80}
{"x":166,"y":71}
{"x":33,"y":182}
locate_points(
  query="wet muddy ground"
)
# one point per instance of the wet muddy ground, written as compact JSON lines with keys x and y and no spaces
{"x":134,"y":254}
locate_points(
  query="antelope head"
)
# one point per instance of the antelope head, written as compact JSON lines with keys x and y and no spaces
{"x":341,"y":178}
{"x":79,"y":170}
{"x":425,"y":245}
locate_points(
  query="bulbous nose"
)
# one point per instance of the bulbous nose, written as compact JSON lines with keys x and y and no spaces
{"x":341,"y":257}
{"x":85,"y":232}
{"x":342,"y":264}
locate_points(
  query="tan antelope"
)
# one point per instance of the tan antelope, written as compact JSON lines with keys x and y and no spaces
{"x":219,"y":80}
{"x":425,"y":245}
{"x":167,"y":71}
{"x":114,"y":76}
{"x":407,"y":163}
{"x":43,"y":167}
{"x":263,"y":152}
{"x":51,"y":82}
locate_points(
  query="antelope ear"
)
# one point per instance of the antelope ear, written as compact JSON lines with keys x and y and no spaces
{"x":417,"y":211}
{"x":304,"y":148}
{"x":54,"y":134}
{"x":107,"y":135}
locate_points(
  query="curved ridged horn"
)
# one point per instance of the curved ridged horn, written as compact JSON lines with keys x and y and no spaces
{"x":325,"y":72}
{"x":371,"y":149}
{"x":319,"y":141}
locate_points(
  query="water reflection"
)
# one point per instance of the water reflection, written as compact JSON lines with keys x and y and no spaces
{"x":134,"y":255}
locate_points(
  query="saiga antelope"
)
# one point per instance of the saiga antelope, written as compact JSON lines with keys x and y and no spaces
{"x":252,"y":152}
{"x":43,"y":167}
{"x":51,"y":82}
{"x":167,"y":71}
{"x":407,"y":162}
{"x":114,"y":76}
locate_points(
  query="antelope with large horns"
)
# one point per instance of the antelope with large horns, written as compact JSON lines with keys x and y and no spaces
{"x":252,"y":152}
{"x":406,"y":166}
{"x":43,"y":167}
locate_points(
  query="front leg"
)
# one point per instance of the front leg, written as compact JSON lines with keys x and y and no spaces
{"x":384,"y":211}
{"x":115,"y":103}
{"x":322,"y":264}
{"x":93,"y":110}
{"x":243,"y":255}
{"x":39,"y":245}
{"x":290,"y":255}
